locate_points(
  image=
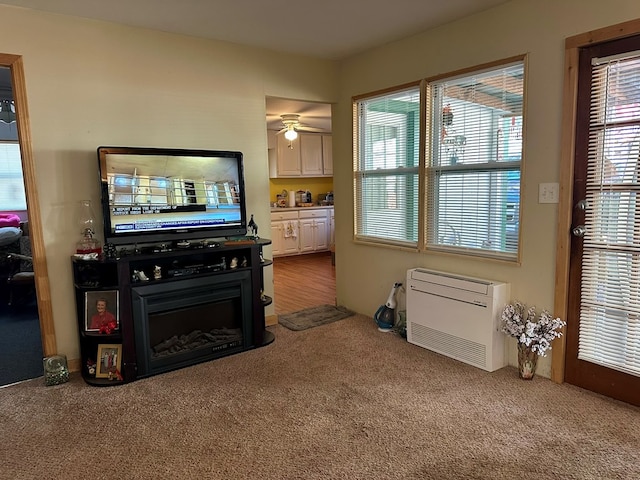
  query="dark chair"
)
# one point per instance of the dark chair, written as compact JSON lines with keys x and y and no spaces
{"x":21,"y":280}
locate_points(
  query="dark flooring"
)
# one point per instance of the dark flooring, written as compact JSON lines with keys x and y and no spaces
{"x":20,"y":342}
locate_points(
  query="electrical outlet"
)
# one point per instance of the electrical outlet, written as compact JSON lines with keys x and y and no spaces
{"x":548,"y":192}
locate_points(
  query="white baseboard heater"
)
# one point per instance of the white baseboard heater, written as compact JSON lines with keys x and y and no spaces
{"x":457,"y":316}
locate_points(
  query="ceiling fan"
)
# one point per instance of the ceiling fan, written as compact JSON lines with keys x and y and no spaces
{"x":292,"y":126}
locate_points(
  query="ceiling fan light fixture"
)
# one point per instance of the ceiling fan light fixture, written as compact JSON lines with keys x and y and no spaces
{"x":290,"y":134}
{"x":7,"y":111}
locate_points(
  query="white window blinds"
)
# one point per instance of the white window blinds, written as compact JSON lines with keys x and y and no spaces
{"x":386,"y":167}
{"x":12,"y":196}
{"x":610,"y":302}
{"x":473,"y":168}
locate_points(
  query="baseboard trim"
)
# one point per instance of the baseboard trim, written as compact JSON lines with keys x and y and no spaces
{"x":271,"y":320}
{"x":74,"y":365}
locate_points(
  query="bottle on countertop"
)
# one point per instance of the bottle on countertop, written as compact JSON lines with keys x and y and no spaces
{"x":329,"y":198}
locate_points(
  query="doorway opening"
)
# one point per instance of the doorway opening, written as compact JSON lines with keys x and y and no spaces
{"x":20,"y":337}
{"x":301,"y":176}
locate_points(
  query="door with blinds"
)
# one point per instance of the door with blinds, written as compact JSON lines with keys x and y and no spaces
{"x":603,"y":331}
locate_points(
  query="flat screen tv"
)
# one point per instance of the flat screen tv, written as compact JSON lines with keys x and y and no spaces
{"x":154,"y":195}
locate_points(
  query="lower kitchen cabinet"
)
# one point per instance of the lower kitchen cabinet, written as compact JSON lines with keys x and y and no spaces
{"x":303,"y":230}
{"x":332,"y":228}
{"x":314,"y":234}
{"x":284,"y":233}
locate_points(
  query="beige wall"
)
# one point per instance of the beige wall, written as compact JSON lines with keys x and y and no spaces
{"x":538,"y":28}
{"x":92,"y":83}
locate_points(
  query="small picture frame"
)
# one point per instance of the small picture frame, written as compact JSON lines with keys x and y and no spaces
{"x":109,"y":361}
{"x":102,"y":311}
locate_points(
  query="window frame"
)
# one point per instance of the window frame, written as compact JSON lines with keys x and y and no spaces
{"x":360,"y":173}
{"x":425,"y":167}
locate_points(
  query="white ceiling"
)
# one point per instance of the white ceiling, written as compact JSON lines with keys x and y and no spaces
{"x":329,"y":29}
{"x":317,"y":115}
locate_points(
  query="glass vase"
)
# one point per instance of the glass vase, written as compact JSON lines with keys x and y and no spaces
{"x":527,"y":361}
{"x":86,"y":221}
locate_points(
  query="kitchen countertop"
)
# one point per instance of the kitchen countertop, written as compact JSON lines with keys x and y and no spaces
{"x":284,"y":209}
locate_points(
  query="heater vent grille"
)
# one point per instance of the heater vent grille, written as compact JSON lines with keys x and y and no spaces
{"x":455,"y":347}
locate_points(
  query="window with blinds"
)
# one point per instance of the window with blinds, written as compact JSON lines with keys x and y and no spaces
{"x":473,"y":165}
{"x":463,"y":194}
{"x":12,"y":195}
{"x":610,"y":302}
{"x":386,"y":167}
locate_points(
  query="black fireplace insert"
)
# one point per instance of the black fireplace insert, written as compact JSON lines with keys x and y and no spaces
{"x":180,"y":323}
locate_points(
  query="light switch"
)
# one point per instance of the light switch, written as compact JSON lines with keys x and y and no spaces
{"x":548,"y":192}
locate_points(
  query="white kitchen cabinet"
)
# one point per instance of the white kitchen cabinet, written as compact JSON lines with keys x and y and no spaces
{"x":311,"y":156}
{"x":327,"y":154}
{"x":285,"y":233}
{"x":276,"y":239}
{"x":288,"y":159}
{"x":304,"y":230}
{"x":332,"y":227}
{"x":314,"y":233}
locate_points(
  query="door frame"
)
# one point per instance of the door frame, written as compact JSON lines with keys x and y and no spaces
{"x":567,"y":156}
{"x":43,"y":291}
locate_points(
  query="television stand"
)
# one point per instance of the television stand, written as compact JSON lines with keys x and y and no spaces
{"x":174,"y":307}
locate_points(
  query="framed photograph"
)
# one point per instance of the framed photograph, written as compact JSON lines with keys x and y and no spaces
{"x":108,"y":360}
{"x":101,"y":311}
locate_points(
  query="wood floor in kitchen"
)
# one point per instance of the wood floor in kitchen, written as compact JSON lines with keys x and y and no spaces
{"x":303,"y":281}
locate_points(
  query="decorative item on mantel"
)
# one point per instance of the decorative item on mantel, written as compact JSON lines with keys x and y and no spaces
{"x":252,"y":228}
{"x":87,"y":244}
{"x":534,"y":336}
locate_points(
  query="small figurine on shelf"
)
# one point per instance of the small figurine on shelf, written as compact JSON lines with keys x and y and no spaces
{"x":91,"y":367}
{"x":252,"y":228}
{"x":110,"y":251}
{"x":157,"y":272}
{"x":139,"y":276}
{"x":234,"y":263}
{"x":244,"y":262}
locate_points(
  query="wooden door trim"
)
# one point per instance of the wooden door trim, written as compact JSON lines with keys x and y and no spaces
{"x":43,"y":291}
{"x":567,"y":156}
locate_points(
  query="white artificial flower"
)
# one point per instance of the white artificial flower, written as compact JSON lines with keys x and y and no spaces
{"x":520,"y":322}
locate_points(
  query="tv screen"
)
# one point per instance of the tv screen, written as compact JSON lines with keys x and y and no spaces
{"x":161,"y":195}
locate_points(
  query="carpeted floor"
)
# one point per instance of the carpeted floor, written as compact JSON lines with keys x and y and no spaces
{"x":340,"y":401}
{"x":20,"y":343}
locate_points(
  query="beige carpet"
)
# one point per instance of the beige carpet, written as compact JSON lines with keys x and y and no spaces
{"x":339,"y":401}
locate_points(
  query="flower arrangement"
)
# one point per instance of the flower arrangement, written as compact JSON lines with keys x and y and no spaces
{"x":520,"y":322}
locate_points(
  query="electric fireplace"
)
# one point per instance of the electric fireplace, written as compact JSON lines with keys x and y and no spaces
{"x":192,"y":320}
